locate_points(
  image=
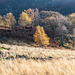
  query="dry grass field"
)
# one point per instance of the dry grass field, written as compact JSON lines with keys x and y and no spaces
{"x":32,"y":67}
{"x":37,"y":52}
{"x":35,"y":60}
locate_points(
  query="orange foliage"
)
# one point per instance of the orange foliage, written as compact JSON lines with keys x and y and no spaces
{"x":40,"y":37}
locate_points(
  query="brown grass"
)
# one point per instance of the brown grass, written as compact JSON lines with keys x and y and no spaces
{"x":65,"y":65}
{"x":31,"y":67}
{"x":37,"y":52}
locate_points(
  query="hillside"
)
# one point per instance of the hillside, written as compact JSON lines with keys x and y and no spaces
{"x":37,"y":37}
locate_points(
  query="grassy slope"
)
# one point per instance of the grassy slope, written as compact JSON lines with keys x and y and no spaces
{"x":65,"y":65}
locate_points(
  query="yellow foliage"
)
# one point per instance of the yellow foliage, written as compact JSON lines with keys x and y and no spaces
{"x":51,"y":18}
{"x":40,"y":37}
{"x":30,"y":13}
{"x":72,"y":15}
{"x":24,"y":19}
{"x":1,"y":21}
{"x":9,"y":19}
{"x":71,"y":18}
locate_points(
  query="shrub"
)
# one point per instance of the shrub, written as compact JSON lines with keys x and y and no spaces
{"x":40,"y":37}
{"x":1,"y":21}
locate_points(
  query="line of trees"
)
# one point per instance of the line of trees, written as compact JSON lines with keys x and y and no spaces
{"x":54,"y":23}
{"x":45,"y":18}
{"x":27,"y":18}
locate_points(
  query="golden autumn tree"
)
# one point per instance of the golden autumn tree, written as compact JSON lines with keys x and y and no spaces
{"x":40,"y":37}
{"x":9,"y":19}
{"x":30,"y":13}
{"x":1,"y":21}
{"x":24,"y":20}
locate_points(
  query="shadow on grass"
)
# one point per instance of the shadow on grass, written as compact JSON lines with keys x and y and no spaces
{"x":16,"y":41}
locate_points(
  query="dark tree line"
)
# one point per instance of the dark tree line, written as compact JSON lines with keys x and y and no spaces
{"x":55,"y":24}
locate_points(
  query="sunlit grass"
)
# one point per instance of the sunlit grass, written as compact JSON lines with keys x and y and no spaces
{"x":32,"y":67}
{"x":62,"y":62}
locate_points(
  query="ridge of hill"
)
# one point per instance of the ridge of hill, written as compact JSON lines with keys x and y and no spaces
{"x":17,"y":6}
